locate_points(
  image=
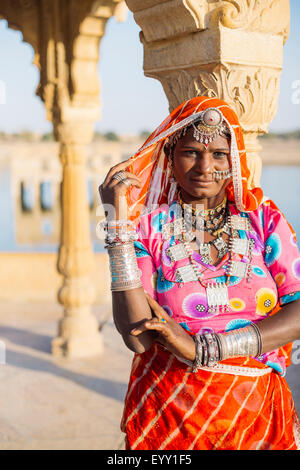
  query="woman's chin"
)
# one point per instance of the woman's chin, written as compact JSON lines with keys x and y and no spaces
{"x":204,"y":191}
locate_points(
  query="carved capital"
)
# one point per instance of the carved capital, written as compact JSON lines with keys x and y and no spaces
{"x":266,"y":16}
{"x":160,"y":20}
{"x":244,"y":88}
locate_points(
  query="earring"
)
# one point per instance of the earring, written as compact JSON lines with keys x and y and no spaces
{"x":173,"y":183}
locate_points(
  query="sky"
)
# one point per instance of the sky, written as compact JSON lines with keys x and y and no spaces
{"x":130,"y":102}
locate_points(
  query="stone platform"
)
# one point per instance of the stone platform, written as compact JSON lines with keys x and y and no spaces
{"x":55,"y":403}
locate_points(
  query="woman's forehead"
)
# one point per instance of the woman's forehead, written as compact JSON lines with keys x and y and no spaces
{"x":189,"y":139}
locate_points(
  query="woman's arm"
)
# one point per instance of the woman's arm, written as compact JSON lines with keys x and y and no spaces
{"x":281,"y":328}
{"x":276,"y":331}
{"x":130,"y":310}
{"x":130,"y":307}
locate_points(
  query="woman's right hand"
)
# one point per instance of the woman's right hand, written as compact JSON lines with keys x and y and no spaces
{"x":112,"y":191}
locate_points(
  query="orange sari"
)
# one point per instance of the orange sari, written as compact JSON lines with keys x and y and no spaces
{"x":168,"y":407}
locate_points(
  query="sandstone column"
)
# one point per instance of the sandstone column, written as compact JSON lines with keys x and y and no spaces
{"x":74,"y":114}
{"x":78,"y":330}
{"x":228,"y":49}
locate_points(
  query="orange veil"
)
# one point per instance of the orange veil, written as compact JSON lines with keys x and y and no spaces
{"x":151,"y":165}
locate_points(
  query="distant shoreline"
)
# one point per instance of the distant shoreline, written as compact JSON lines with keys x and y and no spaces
{"x":275,"y":150}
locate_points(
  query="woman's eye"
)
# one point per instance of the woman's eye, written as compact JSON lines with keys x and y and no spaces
{"x":193,"y":153}
{"x":220,"y":154}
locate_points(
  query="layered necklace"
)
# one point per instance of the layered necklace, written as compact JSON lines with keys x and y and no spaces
{"x":216,"y":221}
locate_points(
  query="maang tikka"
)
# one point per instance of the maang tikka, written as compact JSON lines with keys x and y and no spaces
{"x":210,"y":126}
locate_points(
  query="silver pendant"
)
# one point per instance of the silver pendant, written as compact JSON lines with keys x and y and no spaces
{"x":172,"y":228}
{"x":204,"y":249}
{"x":239,"y":223}
{"x":240,"y":246}
{"x":227,"y":229}
{"x":239,"y":269}
{"x":177,"y":252}
{"x":186,"y":274}
{"x":190,"y":236}
{"x":221,"y":246}
{"x":217,"y":297}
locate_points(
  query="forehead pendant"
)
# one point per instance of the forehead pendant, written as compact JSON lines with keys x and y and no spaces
{"x":209,"y":126}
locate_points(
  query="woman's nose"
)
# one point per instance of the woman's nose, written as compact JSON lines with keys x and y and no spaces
{"x":204,"y":163}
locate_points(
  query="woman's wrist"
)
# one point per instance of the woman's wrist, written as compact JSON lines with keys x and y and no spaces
{"x":212,"y":348}
{"x":125,"y":273}
{"x":190,"y":354}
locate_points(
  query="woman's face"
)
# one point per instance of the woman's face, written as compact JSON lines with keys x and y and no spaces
{"x":194,"y":166}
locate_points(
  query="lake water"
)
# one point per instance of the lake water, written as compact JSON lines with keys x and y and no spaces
{"x":281,"y":183}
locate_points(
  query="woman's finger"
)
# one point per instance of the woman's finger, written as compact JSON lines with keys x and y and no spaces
{"x":130,"y":176}
{"x":157,"y":309}
{"x":114,"y":169}
{"x":150,"y":325}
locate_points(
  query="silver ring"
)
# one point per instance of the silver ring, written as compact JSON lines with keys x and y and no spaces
{"x":127,"y":182}
{"x":120,"y":176}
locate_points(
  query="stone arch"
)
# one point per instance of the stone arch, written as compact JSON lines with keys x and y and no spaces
{"x":22,"y":16}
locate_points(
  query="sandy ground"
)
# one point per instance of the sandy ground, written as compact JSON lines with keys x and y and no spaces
{"x":57,"y":403}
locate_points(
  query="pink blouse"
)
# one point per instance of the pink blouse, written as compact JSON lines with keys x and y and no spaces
{"x":275,"y":275}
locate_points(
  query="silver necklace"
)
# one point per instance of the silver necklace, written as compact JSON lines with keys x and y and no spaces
{"x":217,"y":292}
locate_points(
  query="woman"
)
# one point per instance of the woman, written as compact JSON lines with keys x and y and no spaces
{"x":216,"y":262}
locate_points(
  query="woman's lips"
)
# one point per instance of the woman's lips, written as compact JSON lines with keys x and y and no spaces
{"x":202,"y":182}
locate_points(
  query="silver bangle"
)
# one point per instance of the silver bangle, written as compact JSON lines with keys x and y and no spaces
{"x":212,"y":350}
{"x":125,"y":273}
{"x":198,"y":346}
{"x":205,"y":350}
{"x":259,"y":339}
{"x":241,"y":342}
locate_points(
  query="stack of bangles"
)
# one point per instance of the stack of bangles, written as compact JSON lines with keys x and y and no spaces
{"x":214,"y":347}
{"x":120,"y":236}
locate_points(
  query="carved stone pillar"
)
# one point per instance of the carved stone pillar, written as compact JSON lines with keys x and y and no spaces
{"x":78,"y":333}
{"x":72,"y":95}
{"x":226,"y":49}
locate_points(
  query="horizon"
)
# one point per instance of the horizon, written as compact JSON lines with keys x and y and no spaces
{"x":33,"y":133}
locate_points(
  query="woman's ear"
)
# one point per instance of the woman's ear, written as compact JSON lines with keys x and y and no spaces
{"x":167,"y":150}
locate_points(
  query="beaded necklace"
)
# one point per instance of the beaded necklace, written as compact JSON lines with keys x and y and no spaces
{"x":197,"y":217}
{"x":216,"y":292}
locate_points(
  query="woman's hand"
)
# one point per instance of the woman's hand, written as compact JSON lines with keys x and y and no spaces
{"x":171,"y":334}
{"x":112,"y":191}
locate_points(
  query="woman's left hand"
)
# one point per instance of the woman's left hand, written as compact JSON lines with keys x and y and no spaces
{"x":171,"y":334}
